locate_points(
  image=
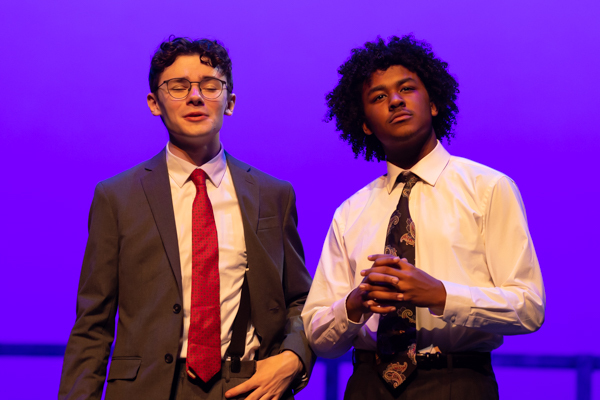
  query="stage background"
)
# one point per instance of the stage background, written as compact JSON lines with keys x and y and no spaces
{"x":73,"y":112}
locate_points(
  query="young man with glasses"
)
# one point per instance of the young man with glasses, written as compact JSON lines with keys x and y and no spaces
{"x":427,"y":267}
{"x":197,"y":254}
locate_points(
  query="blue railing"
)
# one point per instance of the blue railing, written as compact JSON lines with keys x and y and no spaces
{"x":583,"y":365}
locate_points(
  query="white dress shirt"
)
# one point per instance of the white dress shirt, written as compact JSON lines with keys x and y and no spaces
{"x":230,"y":234}
{"x":471,"y":233}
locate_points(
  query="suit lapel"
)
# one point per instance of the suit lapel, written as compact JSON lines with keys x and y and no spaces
{"x":247,"y":192}
{"x":158,"y":192}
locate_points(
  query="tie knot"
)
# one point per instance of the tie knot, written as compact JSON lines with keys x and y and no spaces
{"x":407,"y":177}
{"x":198,"y":177}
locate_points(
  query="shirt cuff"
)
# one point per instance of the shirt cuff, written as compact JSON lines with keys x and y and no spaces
{"x":458,"y":304}
{"x":345,"y":326}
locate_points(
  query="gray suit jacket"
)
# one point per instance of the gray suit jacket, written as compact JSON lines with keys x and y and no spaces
{"x":131,"y":264}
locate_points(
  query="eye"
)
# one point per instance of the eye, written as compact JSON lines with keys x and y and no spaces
{"x":378,"y":97}
{"x":407,"y":89}
{"x":178,"y":85}
{"x":210,"y":85}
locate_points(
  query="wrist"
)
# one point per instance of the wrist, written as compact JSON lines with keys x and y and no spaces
{"x":440,"y":303}
{"x":354,"y":306}
{"x":293,"y":361}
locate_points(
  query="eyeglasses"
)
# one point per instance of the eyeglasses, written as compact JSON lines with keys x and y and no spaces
{"x":179,"y":88}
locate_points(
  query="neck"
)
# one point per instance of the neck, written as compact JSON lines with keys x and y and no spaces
{"x":406,"y":157}
{"x":197,"y":155}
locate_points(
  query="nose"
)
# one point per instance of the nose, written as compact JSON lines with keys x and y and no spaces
{"x":195,"y":95}
{"x":396,"y":100}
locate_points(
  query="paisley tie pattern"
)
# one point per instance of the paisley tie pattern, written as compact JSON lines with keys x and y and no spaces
{"x":397,"y":333}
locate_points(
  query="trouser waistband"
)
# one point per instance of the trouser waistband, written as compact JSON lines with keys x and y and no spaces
{"x":472,"y":359}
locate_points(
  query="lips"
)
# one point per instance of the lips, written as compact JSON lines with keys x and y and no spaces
{"x":195,"y":116}
{"x":400,"y":116}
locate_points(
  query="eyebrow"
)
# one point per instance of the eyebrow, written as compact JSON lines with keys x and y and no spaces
{"x":382,"y":87}
{"x":201,"y":78}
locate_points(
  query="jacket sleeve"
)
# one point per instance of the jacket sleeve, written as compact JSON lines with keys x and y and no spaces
{"x":88,"y":348}
{"x":296,"y":284}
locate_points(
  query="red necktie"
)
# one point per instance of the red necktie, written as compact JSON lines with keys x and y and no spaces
{"x":204,"y":335}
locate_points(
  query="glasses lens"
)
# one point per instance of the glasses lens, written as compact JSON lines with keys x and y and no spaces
{"x":211,"y":88}
{"x":178,"y":88}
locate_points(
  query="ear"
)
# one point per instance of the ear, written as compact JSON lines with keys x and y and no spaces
{"x":153,"y":104}
{"x":230,"y":104}
{"x":366,"y":129}
{"x":434,"y":110}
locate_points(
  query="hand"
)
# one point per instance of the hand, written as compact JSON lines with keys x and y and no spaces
{"x":272,"y":378}
{"x":368,"y":296}
{"x":409,"y":283}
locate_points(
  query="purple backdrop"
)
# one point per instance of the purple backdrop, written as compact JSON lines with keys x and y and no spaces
{"x":73,"y":112}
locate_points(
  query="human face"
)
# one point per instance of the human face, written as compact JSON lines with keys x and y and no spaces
{"x":192,"y":121}
{"x":398,"y":110}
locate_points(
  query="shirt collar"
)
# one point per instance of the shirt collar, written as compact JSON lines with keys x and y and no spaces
{"x":429,"y":168}
{"x":180,"y":169}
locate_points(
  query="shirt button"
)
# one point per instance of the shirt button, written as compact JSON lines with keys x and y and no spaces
{"x":168,"y":358}
{"x":177,"y":308}
{"x":453,"y":318}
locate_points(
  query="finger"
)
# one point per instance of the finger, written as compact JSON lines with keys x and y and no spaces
{"x":382,"y":309}
{"x":386,"y":261}
{"x":374,"y":257}
{"x":244,"y":387}
{"x":256,"y":395}
{"x":371,"y":303}
{"x":405,"y":265}
{"x":386,"y":270}
{"x":370,"y":287}
{"x":379,"y":278}
{"x":382,"y":297}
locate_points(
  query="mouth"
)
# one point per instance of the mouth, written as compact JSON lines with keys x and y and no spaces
{"x":195,"y":116}
{"x":400,"y":116}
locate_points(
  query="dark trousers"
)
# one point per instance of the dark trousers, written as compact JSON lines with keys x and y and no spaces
{"x":186,"y":388}
{"x":447,"y":383}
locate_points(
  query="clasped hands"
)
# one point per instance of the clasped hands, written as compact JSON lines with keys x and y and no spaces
{"x":392,"y":279}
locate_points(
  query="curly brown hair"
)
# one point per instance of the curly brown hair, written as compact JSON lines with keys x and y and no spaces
{"x":168,"y":51}
{"x":345,"y":100}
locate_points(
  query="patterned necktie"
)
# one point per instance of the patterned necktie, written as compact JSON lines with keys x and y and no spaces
{"x":397,"y":331}
{"x":204,"y":335}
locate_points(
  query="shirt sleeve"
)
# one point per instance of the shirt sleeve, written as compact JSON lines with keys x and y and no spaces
{"x":329,"y":331}
{"x":515,"y":304}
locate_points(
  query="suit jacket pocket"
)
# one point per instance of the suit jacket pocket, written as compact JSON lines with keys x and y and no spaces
{"x":268,"y":222}
{"x":124,"y":368}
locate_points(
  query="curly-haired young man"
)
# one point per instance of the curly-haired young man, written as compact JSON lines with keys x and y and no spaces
{"x":200,"y":255}
{"x":426,"y":268}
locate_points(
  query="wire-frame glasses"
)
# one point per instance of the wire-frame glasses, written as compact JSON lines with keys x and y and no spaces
{"x":179,"y":88}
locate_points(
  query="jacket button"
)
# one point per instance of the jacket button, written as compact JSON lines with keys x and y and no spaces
{"x":168,"y":358}
{"x":177,"y":308}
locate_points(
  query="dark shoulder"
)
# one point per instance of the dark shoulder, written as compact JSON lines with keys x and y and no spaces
{"x":130,"y":177}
